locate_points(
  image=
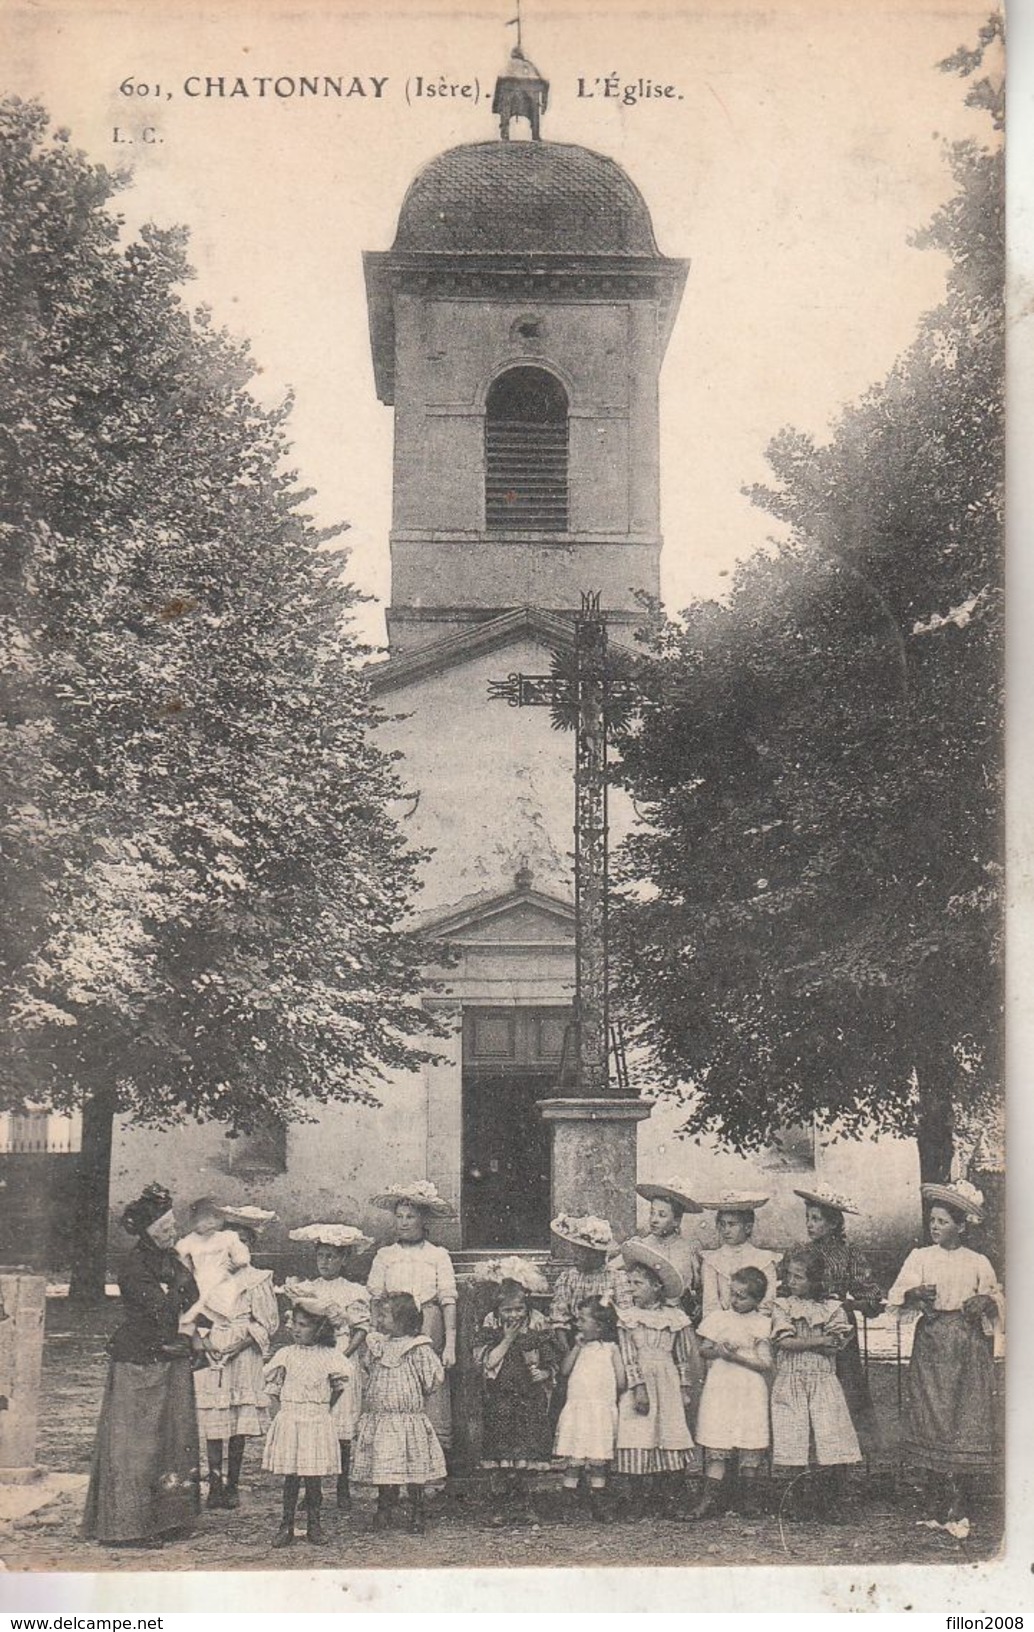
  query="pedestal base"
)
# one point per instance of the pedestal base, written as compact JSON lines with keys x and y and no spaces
{"x":593,"y":1164}
{"x":20,"y":1476}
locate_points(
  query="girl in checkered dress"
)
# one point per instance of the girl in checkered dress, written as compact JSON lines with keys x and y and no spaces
{"x":808,"y":1404}
{"x":396,"y":1444}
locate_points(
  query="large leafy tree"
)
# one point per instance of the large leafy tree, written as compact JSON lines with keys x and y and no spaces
{"x":206,"y":885}
{"x":811,"y":925}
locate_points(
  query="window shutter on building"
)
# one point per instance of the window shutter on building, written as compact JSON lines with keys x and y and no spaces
{"x":526,"y":453}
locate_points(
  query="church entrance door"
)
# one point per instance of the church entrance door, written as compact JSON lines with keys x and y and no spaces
{"x":510,"y":1060}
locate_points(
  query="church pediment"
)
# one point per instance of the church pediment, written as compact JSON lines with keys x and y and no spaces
{"x":519,"y":918}
{"x":552,"y":628}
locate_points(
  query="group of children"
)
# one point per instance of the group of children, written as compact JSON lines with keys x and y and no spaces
{"x":636,"y":1380}
{"x":613,"y":1378}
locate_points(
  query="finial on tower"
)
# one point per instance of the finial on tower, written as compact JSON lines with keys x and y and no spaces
{"x":520,"y":91}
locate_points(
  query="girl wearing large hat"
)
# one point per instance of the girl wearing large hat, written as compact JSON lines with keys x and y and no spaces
{"x":735,"y":1211}
{"x":416,"y":1265}
{"x":144,"y":1480}
{"x":669,"y":1204}
{"x":949,"y":1393}
{"x":591,"y":1272}
{"x":661,"y":1360}
{"x":232,"y":1404}
{"x":346,"y":1304}
{"x":847,"y":1276}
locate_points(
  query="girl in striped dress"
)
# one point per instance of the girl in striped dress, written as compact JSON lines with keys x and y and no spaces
{"x":659,"y":1353}
{"x":808,"y":1404}
{"x":396,"y":1444}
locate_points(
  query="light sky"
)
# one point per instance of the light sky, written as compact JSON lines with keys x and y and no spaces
{"x":805,"y":145}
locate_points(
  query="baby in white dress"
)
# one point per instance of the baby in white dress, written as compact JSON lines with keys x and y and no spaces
{"x":213,"y":1254}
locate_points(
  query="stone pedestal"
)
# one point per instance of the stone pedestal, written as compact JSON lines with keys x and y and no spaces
{"x":23,"y":1298}
{"x":593,"y":1167}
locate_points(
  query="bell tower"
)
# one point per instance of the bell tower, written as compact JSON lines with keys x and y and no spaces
{"x":518,"y":325}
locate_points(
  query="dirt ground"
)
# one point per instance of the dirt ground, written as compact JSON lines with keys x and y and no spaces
{"x":883,"y":1526}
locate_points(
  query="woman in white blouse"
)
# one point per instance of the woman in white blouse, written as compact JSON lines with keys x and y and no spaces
{"x":949,"y":1398}
{"x":415,"y":1265}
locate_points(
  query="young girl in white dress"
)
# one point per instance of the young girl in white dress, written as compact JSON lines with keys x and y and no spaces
{"x":735,"y":1213}
{"x":346,"y":1304}
{"x":586,"y":1434}
{"x":214,"y":1253}
{"x":302,"y":1444}
{"x":733,"y":1420}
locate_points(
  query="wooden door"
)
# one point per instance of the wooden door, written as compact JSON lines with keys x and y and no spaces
{"x":510,"y":1061}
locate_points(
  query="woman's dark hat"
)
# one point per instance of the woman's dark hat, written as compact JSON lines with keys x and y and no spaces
{"x":151,"y":1205}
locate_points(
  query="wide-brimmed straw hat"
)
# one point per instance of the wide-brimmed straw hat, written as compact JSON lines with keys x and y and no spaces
{"x":673,"y":1192}
{"x":735,"y":1201}
{"x":961,"y":1195}
{"x":251,"y":1218}
{"x":521,"y":1270}
{"x":343,"y":1236}
{"x":587,"y":1231}
{"x":421,"y":1193}
{"x":823,"y":1196}
{"x":640,"y":1252}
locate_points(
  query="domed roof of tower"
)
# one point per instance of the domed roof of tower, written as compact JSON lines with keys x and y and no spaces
{"x":524,"y":198}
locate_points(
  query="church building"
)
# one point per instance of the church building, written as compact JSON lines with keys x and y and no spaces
{"x":518,"y":328}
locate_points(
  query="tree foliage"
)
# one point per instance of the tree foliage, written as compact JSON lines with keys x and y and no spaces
{"x":811,"y":921}
{"x":206,"y":884}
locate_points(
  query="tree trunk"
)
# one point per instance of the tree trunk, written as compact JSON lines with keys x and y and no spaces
{"x":935,"y":1124}
{"x":93,"y":1184}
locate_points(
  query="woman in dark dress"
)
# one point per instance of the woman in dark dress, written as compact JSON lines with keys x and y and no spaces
{"x":849,"y":1278}
{"x":144,"y":1479}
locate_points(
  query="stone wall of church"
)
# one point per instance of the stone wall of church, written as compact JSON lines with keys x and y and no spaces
{"x":496,"y":796}
{"x":448,"y":352}
{"x":495,"y":783}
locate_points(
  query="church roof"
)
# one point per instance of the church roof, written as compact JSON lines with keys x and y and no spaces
{"x":525,"y":198}
{"x":554,"y":629}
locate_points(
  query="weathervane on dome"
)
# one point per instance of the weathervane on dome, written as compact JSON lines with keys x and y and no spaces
{"x":520,"y":91}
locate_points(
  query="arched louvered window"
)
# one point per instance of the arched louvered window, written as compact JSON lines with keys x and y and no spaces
{"x":526,"y":452}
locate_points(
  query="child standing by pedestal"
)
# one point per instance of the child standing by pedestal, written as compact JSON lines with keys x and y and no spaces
{"x":808,"y":1404}
{"x":301,"y":1444}
{"x":733,"y":1421}
{"x":587,"y":1431}
{"x":396,"y":1444}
